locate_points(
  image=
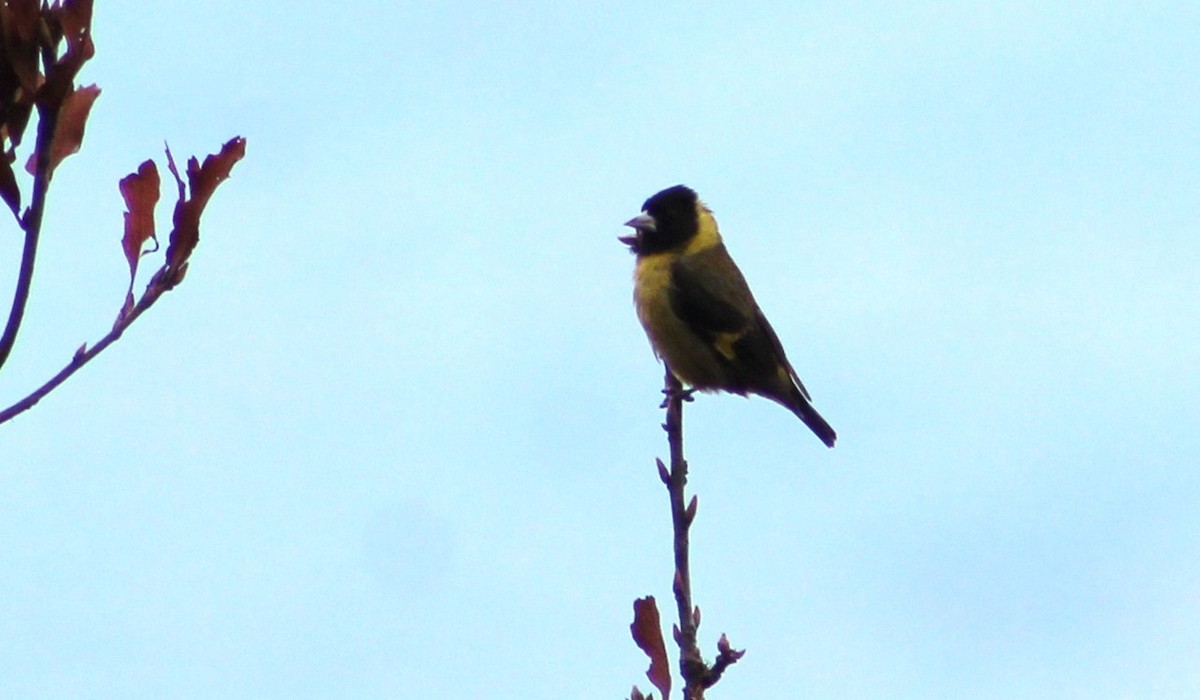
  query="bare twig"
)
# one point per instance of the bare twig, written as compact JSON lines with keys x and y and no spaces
{"x":691,"y":663}
{"x":726,"y":657}
{"x":697,"y":675}
{"x":84,"y":355}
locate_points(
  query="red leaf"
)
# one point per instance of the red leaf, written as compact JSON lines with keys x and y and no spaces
{"x":71,"y":20}
{"x":68,"y":131}
{"x":647,"y":634}
{"x":21,"y":20}
{"x":75,"y":17}
{"x":20,"y":72}
{"x":10,"y":192}
{"x":202,"y":182}
{"x":141,"y":191}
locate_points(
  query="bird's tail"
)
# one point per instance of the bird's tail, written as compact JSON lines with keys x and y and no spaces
{"x":805,"y":411}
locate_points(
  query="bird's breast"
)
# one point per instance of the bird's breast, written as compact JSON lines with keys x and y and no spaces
{"x":690,"y":357}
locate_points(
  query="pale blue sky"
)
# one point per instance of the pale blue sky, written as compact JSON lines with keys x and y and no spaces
{"x":394,"y":436}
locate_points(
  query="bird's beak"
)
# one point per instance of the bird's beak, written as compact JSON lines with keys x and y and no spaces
{"x":641,"y":223}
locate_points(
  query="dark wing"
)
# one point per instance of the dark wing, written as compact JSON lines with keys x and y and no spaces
{"x":711,"y":296}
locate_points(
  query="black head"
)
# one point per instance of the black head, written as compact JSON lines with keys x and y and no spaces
{"x":669,"y":219}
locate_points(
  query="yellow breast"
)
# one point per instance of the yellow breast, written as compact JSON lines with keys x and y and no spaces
{"x":691,"y":358}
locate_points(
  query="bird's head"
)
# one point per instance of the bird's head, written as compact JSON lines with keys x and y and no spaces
{"x":669,"y":219}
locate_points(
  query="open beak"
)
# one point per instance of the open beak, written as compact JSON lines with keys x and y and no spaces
{"x":641,"y":222}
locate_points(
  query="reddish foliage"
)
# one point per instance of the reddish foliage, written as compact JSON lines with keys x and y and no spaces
{"x":10,"y":192}
{"x":21,"y":18}
{"x":647,"y":634}
{"x":75,"y":19}
{"x":141,"y":191}
{"x":20,"y":72}
{"x":71,"y":20}
{"x":34,"y":74}
{"x":68,"y":130}
{"x":202,"y":181}
{"x":33,"y":36}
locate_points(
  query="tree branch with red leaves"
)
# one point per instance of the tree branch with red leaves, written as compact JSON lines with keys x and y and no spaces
{"x":34,"y":76}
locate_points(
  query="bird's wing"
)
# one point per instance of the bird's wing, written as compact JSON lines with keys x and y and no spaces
{"x":710,"y":297}
{"x":715,"y":302}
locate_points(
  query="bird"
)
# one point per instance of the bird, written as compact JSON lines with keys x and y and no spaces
{"x":698,"y":312}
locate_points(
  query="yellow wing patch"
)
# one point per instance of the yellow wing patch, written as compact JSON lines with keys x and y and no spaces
{"x":724,"y":343}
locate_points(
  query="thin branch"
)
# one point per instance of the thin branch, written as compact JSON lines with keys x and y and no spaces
{"x":153,"y":291}
{"x":32,"y":224}
{"x":691,"y":663}
{"x":697,"y":675}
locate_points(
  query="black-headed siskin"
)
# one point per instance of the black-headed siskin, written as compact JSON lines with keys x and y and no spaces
{"x":699,"y":313}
